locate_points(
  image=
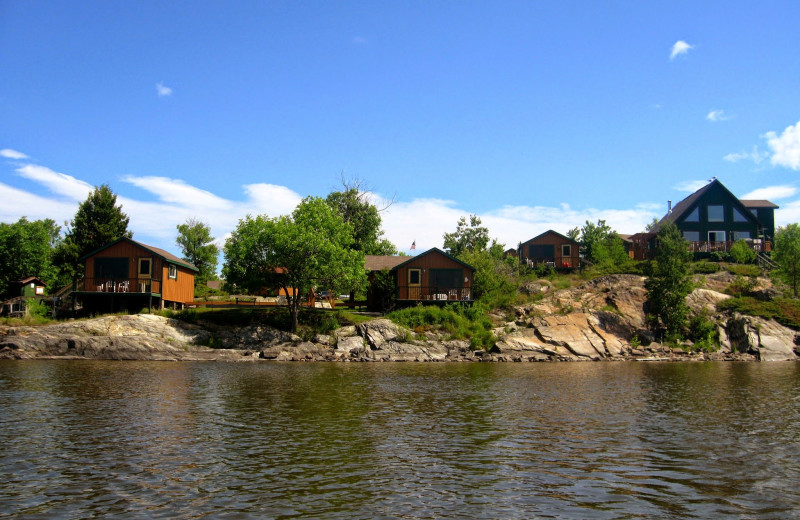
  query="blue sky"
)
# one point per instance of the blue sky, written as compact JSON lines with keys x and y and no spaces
{"x":533,"y":115}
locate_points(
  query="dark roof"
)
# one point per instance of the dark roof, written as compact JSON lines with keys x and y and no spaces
{"x":759,"y":204}
{"x":378,"y":263}
{"x":25,"y":281}
{"x":165,"y":255}
{"x":550,"y":232}
{"x":686,"y":204}
{"x":381,"y":262}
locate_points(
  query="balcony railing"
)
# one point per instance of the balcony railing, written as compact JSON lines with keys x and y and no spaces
{"x":710,"y":247}
{"x":119,"y":285}
{"x":406,"y":292}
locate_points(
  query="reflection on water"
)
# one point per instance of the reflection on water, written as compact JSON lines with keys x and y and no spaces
{"x":570,"y":440}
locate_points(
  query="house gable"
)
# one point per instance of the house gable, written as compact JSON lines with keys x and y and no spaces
{"x":714,"y":214}
{"x":553,"y":248}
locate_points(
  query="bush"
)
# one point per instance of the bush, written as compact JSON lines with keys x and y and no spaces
{"x":785,"y":311}
{"x":743,"y":270}
{"x":704,"y":332}
{"x":742,"y":253}
{"x":704,"y":267}
{"x":741,"y":286}
{"x":459,"y":320}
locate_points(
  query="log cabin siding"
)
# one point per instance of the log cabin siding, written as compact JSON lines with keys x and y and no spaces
{"x":557,"y":241}
{"x":431,"y":260}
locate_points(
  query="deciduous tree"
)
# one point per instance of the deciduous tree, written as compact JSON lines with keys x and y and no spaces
{"x":787,"y":255}
{"x":467,"y":237}
{"x":311,"y":248}
{"x":197,"y":244}
{"x":26,"y":249}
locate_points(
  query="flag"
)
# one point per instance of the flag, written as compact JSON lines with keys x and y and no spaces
{"x":414,"y":244}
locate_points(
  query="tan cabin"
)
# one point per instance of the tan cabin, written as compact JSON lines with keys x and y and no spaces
{"x":126,"y":275}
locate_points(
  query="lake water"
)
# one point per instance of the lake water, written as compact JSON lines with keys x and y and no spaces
{"x":82,"y":439}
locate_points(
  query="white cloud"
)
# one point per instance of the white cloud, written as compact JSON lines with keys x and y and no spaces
{"x":771,"y":193}
{"x":59,"y":183}
{"x":690,"y":186}
{"x":755,"y":155}
{"x":680,"y":47}
{"x":718,"y":115}
{"x":785,"y":147}
{"x":20,"y":203}
{"x":163,"y":90}
{"x":8,"y":153}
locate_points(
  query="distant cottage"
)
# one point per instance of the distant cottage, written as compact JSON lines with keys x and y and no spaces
{"x":126,"y":275}
{"x":551,"y":248}
{"x":712,"y":219}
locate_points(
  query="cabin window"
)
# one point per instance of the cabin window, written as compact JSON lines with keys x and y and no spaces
{"x":754,"y":211}
{"x":738,"y":216}
{"x":415,"y":277}
{"x":566,"y":250}
{"x":716,"y":236}
{"x":716,"y":214}
{"x":173,"y":271}
{"x":694,"y":216}
{"x":145,"y":267}
{"x":740,"y":235}
{"x":692,"y":236}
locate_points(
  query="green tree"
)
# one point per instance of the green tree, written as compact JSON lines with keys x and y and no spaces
{"x":669,"y":284}
{"x":742,"y":253}
{"x":494,"y":282}
{"x":311,"y":248}
{"x":195,"y":240}
{"x":602,"y":245}
{"x":355,"y":207}
{"x":26,"y":249}
{"x":787,"y":255}
{"x":98,"y":221}
{"x":467,"y":237}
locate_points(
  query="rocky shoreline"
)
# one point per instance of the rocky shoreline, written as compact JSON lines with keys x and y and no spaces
{"x":603,"y":320}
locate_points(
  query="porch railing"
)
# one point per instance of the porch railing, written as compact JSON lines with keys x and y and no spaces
{"x":710,"y":247}
{"x":436,"y":293}
{"x":119,"y":285}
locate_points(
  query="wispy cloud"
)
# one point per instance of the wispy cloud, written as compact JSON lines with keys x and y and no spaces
{"x":718,"y":115}
{"x":163,"y":90}
{"x":785,"y":147}
{"x":680,"y":47}
{"x":56,"y":182}
{"x":772,"y":193}
{"x":755,"y":155}
{"x":690,"y":186}
{"x":8,"y":153}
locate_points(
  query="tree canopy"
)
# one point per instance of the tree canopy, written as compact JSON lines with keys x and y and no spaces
{"x":467,"y":237}
{"x":196,"y":243}
{"x":311,"y":248}
{"x":669,"y":283}
{"x":98,"y":221}
{"x":353,"y":204}
{"x":601,"y":245}
{"x":787,"y":255}
{"x":26,"y":249}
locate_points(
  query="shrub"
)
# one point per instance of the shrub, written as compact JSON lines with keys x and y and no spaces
{"x":743,"y":270}
{"x":742,"y":253}
{"x":459,"y":320}
{"x":703,"y":332}
{"x":741,"y":286}
{"x":785,"y":311}
{"x":704,"y":267}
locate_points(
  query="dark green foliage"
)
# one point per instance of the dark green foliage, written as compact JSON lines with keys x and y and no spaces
{"x":743,"y":270}
{"x":467,"y":237}
{"x":704,"y":332}
{"x":495,"y":283}
{"x":461,"y":321}
{"x":669,"y":282}
{"x":742,"y":253}
{"x":785,"y":311}
{"x":26,"y":249}
{"x":383,"y":290}
{"x":741,"y":286}
{"x":353,"y":205}
{"x":196,"y":243}
{"x":787,"y":255}
{"x":704,"y":267}
{"x":98,"y":221}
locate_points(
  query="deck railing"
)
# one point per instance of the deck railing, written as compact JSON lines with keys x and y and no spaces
{"x":119,"y":285}
{"x":710,"y":247}
{"x":437,"y":293}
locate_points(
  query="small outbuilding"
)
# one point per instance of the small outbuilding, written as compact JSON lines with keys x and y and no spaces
{"x":551,"y":248}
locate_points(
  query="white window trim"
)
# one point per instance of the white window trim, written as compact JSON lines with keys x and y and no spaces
{"x":170,"y":269}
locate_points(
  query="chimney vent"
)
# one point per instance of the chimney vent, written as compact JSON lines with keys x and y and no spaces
{"x":669,"y":207}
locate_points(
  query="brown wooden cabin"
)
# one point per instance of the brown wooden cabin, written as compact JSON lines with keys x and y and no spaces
{"x":551,"y":248}
{"x":430,"y":277}
{"x":126,"y":275}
